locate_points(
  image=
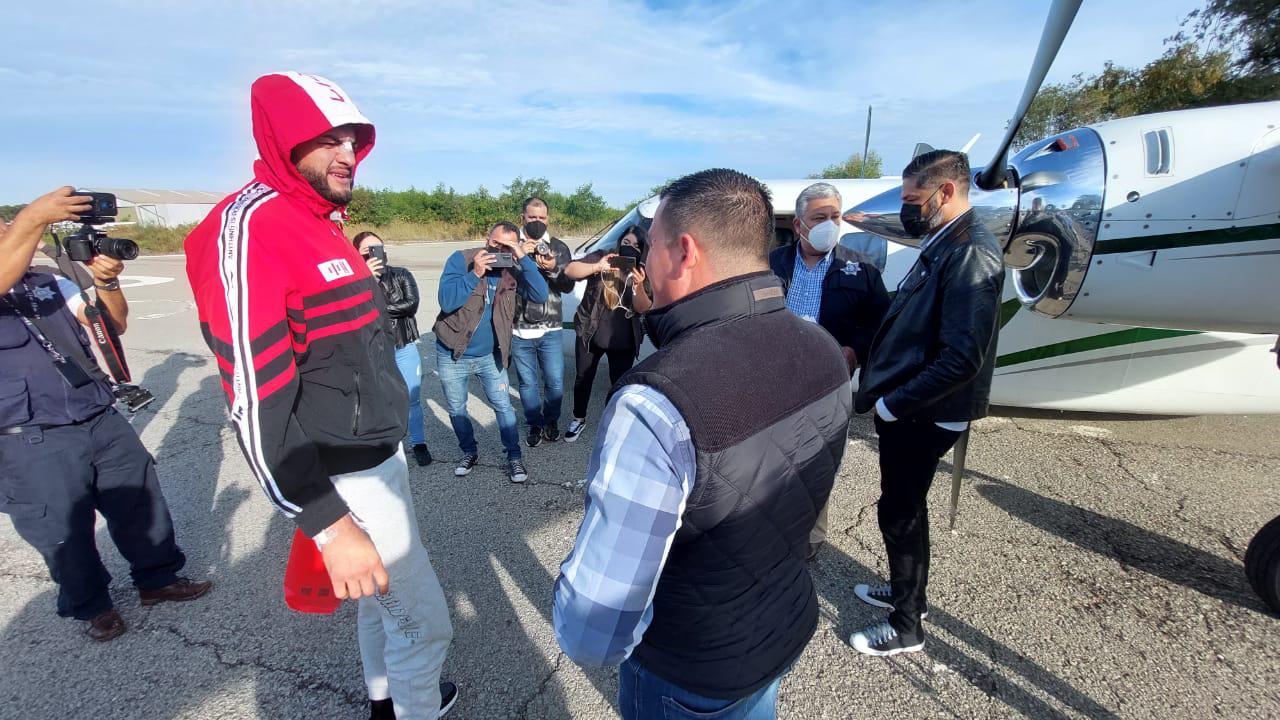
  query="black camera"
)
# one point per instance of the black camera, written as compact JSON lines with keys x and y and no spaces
{"x":544,"y":249}
{"x":89,"y":242}
{"x":134,"y":397}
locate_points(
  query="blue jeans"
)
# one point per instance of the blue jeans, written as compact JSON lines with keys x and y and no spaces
{"x":455,"y":376}
{"x":545,"y":353}
{"x":645,"y":696}
{"x":409,"y":360}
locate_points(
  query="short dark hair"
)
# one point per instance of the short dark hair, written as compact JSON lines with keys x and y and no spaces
{"x":533,"y":200}
{"x":939,"y":166}
{"x":360,"y":237}
{"x":731,"y":211}
{"x":505,"y":225}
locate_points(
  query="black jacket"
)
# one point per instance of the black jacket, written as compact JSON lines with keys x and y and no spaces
{"x":853,"y":296}
{"x":735,"y":605}
{"x":934,"y":356}
{"x":548,"y":314}
{"x":401,"y":292}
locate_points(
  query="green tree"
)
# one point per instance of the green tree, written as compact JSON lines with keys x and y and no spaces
{"x":1227,"y":52}
{"x":853,"y":167}
{"x":8,"y":212}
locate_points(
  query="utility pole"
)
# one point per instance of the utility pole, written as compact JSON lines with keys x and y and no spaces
{"x":867,"y":144}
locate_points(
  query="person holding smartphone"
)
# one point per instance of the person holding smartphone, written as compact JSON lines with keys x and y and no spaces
{"x":608,"y":318}
{"x":401,"y":292}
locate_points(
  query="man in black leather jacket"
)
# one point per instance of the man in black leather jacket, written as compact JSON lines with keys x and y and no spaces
{"x":401,"y":292}
{"x":536,"y":340}
{"x":928,"y":375}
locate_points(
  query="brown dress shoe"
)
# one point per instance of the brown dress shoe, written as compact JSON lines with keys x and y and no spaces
{"x":106,"y":626}
{"x":180,"y":591}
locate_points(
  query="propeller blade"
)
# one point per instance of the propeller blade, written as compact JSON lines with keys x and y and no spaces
{"x":1061,"y":14}
{"x":969,"y":145}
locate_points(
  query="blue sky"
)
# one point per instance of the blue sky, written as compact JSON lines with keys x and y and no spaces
{"x":618,"y":93}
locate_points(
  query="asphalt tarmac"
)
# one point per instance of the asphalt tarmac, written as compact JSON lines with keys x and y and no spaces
{"x":1095,"y":571}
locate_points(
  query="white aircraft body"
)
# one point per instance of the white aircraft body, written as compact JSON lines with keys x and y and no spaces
{"x":1058,"y":364}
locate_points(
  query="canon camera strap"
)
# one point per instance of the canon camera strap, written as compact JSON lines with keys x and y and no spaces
{"x":102,"y":330}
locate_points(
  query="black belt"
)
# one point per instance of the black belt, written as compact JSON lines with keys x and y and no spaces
{"x":20,"y":429}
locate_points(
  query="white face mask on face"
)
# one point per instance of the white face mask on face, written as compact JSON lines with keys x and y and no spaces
{"x":825,"y":235}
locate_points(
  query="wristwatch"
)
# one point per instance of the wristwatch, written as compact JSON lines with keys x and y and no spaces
{"x":114,"y":284}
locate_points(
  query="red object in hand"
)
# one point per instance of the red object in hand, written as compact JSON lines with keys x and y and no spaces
{"x":307,"y":587}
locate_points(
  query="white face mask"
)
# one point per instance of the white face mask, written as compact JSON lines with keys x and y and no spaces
{"x":825,"y":235}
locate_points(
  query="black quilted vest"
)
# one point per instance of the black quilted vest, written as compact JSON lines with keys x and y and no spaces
{"x":767,"y":400}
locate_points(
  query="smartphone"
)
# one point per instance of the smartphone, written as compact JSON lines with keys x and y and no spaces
{"x":623,"y":263}
{"x":377,"y":251}
{"x":503,"y":260}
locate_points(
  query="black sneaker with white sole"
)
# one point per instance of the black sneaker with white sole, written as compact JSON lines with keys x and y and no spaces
{"x":881,"y":640}
{"x":516,"y":471}
{"x":879,"y":595}
{"x":535,"y":436}
{"x":448,"y":696}
{"x":466,"y":465}
{"x":575,"y":429}
{"x":551,"y":433}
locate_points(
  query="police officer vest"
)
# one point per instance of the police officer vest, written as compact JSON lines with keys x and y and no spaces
{"x":32,"y":391}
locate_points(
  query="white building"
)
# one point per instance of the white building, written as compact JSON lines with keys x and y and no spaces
{"x":167,"y":208}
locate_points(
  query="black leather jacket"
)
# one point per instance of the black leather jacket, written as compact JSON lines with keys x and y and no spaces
{"x":548,"y":314}
{"x":402,"y":304}
{"x":934,"y":356}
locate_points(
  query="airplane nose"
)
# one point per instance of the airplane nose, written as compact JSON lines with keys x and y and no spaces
{"x":879,"y":216}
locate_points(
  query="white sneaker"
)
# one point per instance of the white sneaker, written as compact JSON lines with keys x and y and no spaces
{"x":881,"y":640}
{"x":880,"y":595}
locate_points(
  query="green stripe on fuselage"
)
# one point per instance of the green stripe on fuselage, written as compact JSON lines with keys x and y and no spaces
{"x":1170,"y":241}
{"x":1128,"y":336}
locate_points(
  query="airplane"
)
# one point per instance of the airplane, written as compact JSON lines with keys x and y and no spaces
{"x":1164,"y":226}
{"x":1142,"y":254}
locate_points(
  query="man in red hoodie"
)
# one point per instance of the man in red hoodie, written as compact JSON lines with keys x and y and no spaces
{"x":293,"y":315}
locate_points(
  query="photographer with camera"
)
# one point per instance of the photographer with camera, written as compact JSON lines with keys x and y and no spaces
{"x":64,"y":450}
{"x":608,"y":319}
{"x":536,"y":347}
{"x":478,"y":293}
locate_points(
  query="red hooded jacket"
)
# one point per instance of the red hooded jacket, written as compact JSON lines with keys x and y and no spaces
{"x":293,"y":315}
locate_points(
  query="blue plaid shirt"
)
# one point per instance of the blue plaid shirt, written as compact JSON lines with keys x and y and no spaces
{"x":804,"y":294}
{"x":639,"y":478}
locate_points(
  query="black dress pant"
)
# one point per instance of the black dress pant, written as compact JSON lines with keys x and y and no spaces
{"x":909,"y":455}
{"x":51,"y":483}
{"x":587,"y":360}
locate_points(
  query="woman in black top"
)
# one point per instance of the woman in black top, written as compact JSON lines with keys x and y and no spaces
{"x":608,"y":319}
{"x":402,"y":305}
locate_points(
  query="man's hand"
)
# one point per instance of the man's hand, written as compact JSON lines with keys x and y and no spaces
{"x":105,"y":269}
{"x":354,"y":566}
{"x":483,"y":260}
{"x":513,"y":244}
{"x":58,"y":206}
{"x":545,"y":263}
{"x":375,"y":265}
{"x":850,"y":359}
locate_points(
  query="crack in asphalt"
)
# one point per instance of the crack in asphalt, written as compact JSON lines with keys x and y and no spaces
{"x":300,"y":681}
{"x":523,"y":712}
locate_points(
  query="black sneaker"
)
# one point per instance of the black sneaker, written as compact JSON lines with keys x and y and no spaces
{"x":448,"y":696}
{"x":575,"y":429}
{"x":880,"y":595}
{"x":535,"y":436}
{"x":466,"y":465}
{"x":516,"y":471}
{"x":881,"y":640}
{"x":551,"y":433}
{"x":422,"y":455}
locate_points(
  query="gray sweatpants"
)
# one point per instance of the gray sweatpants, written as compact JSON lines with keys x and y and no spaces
{"x":404,"y":634}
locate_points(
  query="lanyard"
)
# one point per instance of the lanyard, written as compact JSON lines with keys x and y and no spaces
{"x":31,"y":327}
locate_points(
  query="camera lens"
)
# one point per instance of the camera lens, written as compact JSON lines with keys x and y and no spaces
{"x":118,"y":248}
